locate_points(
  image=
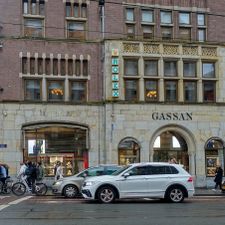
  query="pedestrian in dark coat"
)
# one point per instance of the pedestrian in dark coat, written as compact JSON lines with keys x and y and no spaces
{"x":218,"y":177}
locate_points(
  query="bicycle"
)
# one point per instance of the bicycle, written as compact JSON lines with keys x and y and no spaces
{"x":6,"y":188}
{"x":21,"y":187}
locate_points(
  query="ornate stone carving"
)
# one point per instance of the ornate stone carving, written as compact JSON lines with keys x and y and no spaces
{"x":170,"y":50}
{"x":190,"y":51}
{"x":206,"y":51}
{"x":131,"y":48}
{"x":151,"y":49}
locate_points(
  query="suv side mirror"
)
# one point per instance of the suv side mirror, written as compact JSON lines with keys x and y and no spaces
{"x":126,"y":175}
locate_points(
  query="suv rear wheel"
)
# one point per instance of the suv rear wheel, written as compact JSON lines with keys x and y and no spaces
{"x":175,"y":194}
{"x":106,"y":194}
{"x":70,"y":191}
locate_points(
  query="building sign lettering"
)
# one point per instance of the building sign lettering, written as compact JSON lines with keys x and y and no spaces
{"x":184,"y":116}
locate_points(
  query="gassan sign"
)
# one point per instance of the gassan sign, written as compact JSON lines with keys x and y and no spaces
{"x":184,"y":116}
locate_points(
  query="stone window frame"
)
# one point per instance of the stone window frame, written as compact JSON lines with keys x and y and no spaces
{"x":83,"y":76}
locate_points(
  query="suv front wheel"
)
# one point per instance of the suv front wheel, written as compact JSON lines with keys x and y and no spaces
{"x":106,"y":194}
{"x":175,"y":194}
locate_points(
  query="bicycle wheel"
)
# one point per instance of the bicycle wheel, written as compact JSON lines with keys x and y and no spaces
{"x":18,"y":189}
{"x":40,"y":189}
{"x":8,"y":187}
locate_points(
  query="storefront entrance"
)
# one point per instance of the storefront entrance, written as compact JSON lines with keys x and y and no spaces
{"x":171,"y":144}
{"x":50,"y":143}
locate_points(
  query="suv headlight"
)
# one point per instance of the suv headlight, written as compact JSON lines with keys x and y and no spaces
{"x":89,"y":183}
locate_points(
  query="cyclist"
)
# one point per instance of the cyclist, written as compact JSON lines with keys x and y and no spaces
{"x":3,"y":173}
{"x":30,"y":172}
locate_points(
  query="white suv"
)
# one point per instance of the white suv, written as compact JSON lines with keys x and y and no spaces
{"x":141,"y":180}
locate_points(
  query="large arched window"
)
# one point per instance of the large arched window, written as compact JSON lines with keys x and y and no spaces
{"x":171,"y":144}
{"x":214,"y":153}
{"x":128,"y":151}
{"x":54,"y":142}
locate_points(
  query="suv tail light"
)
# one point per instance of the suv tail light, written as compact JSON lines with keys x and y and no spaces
{"x":190,"y":179}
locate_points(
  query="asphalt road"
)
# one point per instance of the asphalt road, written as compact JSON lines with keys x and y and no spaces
{"x":59,"y":211}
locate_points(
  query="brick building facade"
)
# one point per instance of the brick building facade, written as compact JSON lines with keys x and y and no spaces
{"x":124,"y":82}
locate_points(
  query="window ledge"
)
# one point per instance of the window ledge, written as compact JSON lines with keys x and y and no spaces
{"x":33,"y":16}
{"x":148,"y":23}
{"x":76,"y":18}
{"x":130,"y":22}
{"x":166,"y":24}
{"x":185,"y":25}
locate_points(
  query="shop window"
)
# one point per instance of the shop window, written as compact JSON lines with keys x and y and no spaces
{"x":189,"y":69}
{"x":190,"y":91}
{"x":78,"y":91}
{"x":52,"y":143}
{"x":76,"y":29}
{"x":130,"y":67}
{"x":169,"y":145}
{"x":170,"y":69}
{"x":33,"y":27}
{"x":170,"y":91}
{"x":151,"y":68}
{"x":32,"y":90}
{"x":214,"y":153}
{"x":151,"y":90}
{"x":208,"y":70}
{"x":131,"y":90}
{"x":209,"y":91}
{"x":128,"y":152}
{"x":55,"y":90}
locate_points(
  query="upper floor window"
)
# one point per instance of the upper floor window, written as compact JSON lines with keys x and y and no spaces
{"x":184,"y":18}
{"x":76,"y":10}
{"x":209,"y":91}
{"x":32,"y":89}
{"x":201,"y":34}
{"x":170,"y":68}
{"x":150,"y":68}
{"x":170,"y":91}
{"x":166,"y":17}
{"x":78,"y":91}
{"x":190,"y":91}
{"x":189,"y":69}
{"x":76,"y":29}
{"x":208,"y":70}
{"x":129,"y":14}
{"x":151,"y":90}
{"x":131,"y":90}
{"x":34,"y":7}
{"x":201,"y":20}
{"x":147,"y":16}
{"x":55,"y":90}
{"x":167,"y":32}
{"x":131,"y":67}
{"x":33,"y":27}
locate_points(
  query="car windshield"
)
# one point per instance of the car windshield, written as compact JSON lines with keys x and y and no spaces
{"x":120,"y":170}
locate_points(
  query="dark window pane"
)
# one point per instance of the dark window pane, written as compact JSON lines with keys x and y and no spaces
{"x":24,"y":65}
{"x":77,"y":67}
{"x":148,"y":31}
{"x":42,"y":8}
{"x":78,"y":91}
{"x":166,"y":32}
{"x":55,"y":66}
{"x":171,"y":91}
{"x":47,"y":66}
{"x":131,"y":90}
{"x":190,"y":91}
{"x":70,"y":67}
{"x":68,"y":9}
{"x":40,"y":66}
{"x":209,"y":91}
{"x":131,"y":67}
{"x":63,"y":67}
{"x":33,"y":27}
{"x":76,"y":10}
{"x":170,"y":69}
{"x":32,"y":65}
{"x":151,"y":68}
{"x":189,"y":69}
{"x":185,"y":33}
{"x":84,"y":10}
{"x":32,"y":90}
{"x":85,"y":68}
{"x":76,"y":30}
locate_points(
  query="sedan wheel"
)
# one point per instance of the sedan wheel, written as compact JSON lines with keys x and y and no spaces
{"x":106,"y":195}
{"x":70,"y":191}
{"x":176,"y":195}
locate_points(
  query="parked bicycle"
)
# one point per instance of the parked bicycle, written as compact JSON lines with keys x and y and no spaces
{"x":21,"y":187}
{"x":6,"y":188}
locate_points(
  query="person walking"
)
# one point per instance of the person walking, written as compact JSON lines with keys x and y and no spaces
{"x":218,"y":178}
{"x":3,"y":173}
{"x":21,"y":174}
{"x":39,"y":171}
{"x":59,"y":171}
